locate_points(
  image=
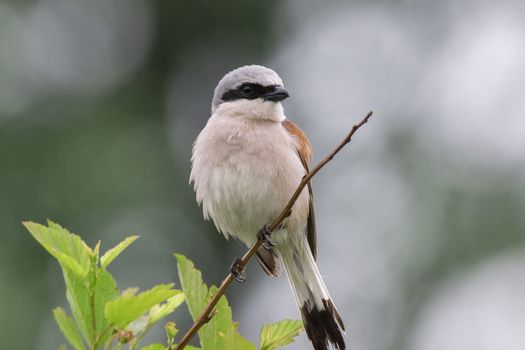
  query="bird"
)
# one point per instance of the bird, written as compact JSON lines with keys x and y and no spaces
{"x":246,"y":163}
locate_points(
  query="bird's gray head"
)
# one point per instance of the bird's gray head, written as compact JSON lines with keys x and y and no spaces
{"x":254,"y":91}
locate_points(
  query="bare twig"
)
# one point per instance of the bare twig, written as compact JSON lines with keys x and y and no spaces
{"x":205,"y":316}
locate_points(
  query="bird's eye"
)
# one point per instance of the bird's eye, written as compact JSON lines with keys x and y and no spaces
{"x":247,"y":90}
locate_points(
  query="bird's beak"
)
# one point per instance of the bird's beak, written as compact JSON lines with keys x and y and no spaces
{"x":276,"y":95}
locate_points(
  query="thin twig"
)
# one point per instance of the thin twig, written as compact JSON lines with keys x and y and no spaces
{"x":205,"y":316}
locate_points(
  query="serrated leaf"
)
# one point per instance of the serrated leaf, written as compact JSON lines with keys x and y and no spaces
{"x":68,"y":328}
{"x":215,"y":334}
{"x":195,"y":290}
{"x":160,"y":311}
{"x":69,"y":249}
{"x":126,"y":308}
{"x":197,"y":297}
{"x":220,"y":333}
{"x":77,"y":294}
{"x":223,"y":325}
{"x":111,"y":254}
{"x":74,"y":257}
{"x":279,"y":334}
{"x":154,"y":347}
{"x":105,"y":291}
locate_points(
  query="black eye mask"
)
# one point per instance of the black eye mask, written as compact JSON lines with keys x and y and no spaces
{"x":248,"y":91}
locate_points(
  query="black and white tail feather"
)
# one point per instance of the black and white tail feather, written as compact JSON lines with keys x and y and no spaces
{"x":322,"y":322}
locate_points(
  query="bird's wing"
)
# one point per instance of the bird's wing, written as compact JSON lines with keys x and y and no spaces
{"x":304,"y":152}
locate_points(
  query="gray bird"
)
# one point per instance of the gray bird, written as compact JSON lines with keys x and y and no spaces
{"x":246,"y":164}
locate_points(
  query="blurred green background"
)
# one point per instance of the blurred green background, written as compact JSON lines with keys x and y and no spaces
{"x":421,"y":219}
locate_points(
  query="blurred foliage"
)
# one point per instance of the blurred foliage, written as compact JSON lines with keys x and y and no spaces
{"x":93,"y":161}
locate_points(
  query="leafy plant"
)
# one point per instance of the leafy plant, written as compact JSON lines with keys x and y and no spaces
{"x":104,"y":318}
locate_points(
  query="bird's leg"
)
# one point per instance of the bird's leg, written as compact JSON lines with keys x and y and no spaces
{"x":264,"y":236}
{"x":237,"y":270}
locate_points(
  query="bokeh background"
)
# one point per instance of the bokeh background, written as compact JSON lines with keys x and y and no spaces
{"x":421,"y":219}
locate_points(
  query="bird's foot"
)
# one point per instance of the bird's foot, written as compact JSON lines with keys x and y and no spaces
{"x":237,"y":270}
{"x":264,"y":236}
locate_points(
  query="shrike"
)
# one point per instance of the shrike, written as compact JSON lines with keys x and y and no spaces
{"x":246,"y":164}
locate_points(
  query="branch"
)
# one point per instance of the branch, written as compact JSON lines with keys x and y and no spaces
{"x":205,"y":316}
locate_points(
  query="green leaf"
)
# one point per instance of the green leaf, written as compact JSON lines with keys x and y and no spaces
{"x":195,"y":290}
{"x":105,"y":291}
{"x":111,"y":254}
{"x":126,"y":308}
{"x":279,"y":334}
{"x":78,"y":297}
{"x":223,"y":325}
{"x":70,"y":250}
{"x":220,"y":333}
{"x":75,"y":259}
{"x":160,"y":311}
{"x":68,"y":328}
{"x":154,"y":347}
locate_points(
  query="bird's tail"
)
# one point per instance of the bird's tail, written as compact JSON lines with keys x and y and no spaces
{"x":321,"y":320}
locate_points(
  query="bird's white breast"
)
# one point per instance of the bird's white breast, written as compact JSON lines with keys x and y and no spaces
{"x":244,"y":172}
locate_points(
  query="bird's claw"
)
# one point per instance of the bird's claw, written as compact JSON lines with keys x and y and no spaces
{"x":264,"y":236}
{"x":237,"y":270}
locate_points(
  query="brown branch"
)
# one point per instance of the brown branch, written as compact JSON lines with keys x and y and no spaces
{"x":205,"y":316}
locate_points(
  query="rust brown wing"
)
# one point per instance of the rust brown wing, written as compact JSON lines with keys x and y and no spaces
{"x":304,"y":151}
